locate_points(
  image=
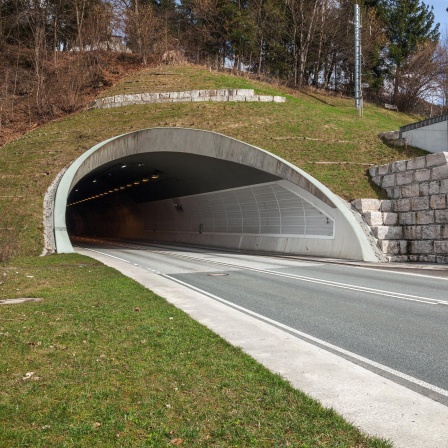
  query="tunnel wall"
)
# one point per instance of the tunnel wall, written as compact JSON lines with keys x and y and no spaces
{"x":347,"y":240}
{"x":269,"y":216}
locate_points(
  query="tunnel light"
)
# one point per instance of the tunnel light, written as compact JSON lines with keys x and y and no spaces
{"x":94,"y":180}
{"x":136,"y":182}
{"x":111,"y":191}
{"x":122,"y":188}
{"x":145,"y":180}
{"x":129,"y":185}
{"x":124,"y":165}
{"x":141,"y":164}
{"x":116,"y":189}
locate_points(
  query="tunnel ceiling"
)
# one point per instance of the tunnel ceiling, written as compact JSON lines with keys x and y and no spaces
{"x":162,"y":175}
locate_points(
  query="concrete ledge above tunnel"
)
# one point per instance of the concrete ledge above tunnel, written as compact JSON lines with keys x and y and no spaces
{"x":201,"y":188}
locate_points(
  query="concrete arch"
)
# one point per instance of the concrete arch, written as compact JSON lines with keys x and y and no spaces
{"x":213,"y":190}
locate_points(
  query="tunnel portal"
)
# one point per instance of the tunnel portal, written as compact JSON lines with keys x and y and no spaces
{"x":201,"y":188}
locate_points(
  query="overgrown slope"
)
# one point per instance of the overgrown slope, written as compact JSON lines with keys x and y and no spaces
{"x":321,"y":134}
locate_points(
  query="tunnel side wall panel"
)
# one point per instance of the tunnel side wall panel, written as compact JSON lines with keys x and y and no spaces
{"x":272,"y":217}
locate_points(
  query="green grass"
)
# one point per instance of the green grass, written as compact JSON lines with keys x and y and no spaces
{"x":112,"y":376}
{"x":108,"y":375}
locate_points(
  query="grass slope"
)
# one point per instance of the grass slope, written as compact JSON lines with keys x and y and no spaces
{"x":106,"y":375}
{"x":320,"y":134}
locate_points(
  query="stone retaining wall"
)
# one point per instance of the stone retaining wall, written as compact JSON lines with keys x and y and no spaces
{"x":238,"y":95}
{"x":413,"y":224}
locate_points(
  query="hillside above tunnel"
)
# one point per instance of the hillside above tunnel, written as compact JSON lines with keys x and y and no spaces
{"x":320,"y":134}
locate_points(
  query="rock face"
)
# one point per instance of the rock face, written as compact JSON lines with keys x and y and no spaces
{"x":413,"y":224}
{"x":393,"y":138}
{"x":218,"y":95}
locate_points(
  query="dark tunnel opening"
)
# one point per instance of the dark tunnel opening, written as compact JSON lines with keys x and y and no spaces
{"x":114,"y":200}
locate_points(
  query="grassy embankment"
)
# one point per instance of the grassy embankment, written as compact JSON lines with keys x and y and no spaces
{"x":106,"y":375}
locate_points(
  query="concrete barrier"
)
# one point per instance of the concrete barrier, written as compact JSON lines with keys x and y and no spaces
{"x":216,"y":95}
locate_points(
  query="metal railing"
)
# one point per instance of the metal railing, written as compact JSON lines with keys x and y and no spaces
{"x":423,"y":123}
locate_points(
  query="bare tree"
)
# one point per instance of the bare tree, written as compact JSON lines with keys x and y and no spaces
{"x":143,"y":29}
{"x":302,"y":18}
{"x":421,"y":75}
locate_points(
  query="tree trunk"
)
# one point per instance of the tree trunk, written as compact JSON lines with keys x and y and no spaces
{"x":319,"y":49}
{"x":260,"y":56}
{"x":305,"y":41}
{"x":80,"y":10}
{"x":396,"y":84}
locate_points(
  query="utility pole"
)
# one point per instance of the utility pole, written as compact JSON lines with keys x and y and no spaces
{"x":358,"y":89}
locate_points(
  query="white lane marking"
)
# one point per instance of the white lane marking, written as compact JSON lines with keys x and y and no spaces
{"x":303,"y":335}
{"x":392,"y":270}
{"x":375,"y":364}
{"x":287,"y":258}
{"x":396,"y":295}
{"x":108,"y":255}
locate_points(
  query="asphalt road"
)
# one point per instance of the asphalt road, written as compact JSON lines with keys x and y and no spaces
{"x":391,"y":322}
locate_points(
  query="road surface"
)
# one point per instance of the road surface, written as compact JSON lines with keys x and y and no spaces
{"x":393,"y":323}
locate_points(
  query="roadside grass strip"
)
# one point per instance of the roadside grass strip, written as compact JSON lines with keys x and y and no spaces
{"x":101,"y":361}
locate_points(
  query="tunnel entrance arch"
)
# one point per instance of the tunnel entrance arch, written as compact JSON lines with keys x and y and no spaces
{"x":202,"y":188}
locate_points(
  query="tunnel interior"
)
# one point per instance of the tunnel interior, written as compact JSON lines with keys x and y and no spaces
{"x":109,"y":200}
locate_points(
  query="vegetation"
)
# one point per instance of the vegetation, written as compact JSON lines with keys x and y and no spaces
{"x":53,"y":46}
{"x":410,"y":28}
{"x":321,"y":134}
{"x":104,"y":362}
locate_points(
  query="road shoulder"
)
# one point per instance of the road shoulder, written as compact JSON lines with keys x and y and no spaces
{"x":375,"y":404}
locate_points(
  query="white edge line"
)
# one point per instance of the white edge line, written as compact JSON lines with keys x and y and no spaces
{"x":314,"y":339}
{"x":107,"y":255}
{"x":396,"y":295}
{"x":393,"y":269}
{"x":300,"y":333}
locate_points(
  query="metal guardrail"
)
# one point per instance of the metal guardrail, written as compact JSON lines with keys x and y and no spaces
{"x":423,"y":123}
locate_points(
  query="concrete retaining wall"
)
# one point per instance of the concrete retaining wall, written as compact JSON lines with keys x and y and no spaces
{"x":430,"y":135}
{"x":218,"y":95}
{"x":413,"y":224}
